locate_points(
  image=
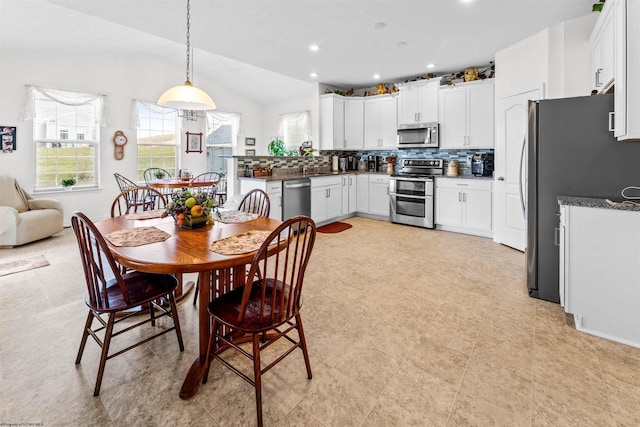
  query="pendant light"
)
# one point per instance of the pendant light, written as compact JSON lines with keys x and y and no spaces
{"x":187,"y":97}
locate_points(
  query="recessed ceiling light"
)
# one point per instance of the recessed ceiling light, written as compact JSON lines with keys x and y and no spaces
{"x":314,"y":47}
{"x":379,"y":25}
{"x":431,"y":65}
{"x":402,"y":44}
{"x":466,"y":1}
{"x":314,"y":75}
{"x":376,"y":76}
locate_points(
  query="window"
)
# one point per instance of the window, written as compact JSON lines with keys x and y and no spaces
{"x":222,"y":134}
{"x":157,"y":138}
{"x":295,"y":129}
{"x":66,"y":134}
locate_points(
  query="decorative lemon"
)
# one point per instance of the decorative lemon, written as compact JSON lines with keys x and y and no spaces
{"x":197,"y":211}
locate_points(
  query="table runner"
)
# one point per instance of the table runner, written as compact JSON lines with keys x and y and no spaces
{"x":137,"y":236}
{"x":229,"y":217}
{"x":156,"y":213}
{"x":241,"y":243}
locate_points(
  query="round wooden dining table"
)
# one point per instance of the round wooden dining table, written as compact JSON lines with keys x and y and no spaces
{"x":187,"y":251}
{"x":181,"y":183}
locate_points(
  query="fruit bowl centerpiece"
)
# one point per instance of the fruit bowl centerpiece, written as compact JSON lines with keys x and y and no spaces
{"x":191,"y":210}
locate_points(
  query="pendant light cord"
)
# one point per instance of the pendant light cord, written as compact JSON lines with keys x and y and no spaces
{"x":188,"y":36}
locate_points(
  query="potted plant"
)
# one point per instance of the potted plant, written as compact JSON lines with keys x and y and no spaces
{"x":67,"y":183}
{"x":159,"y":174}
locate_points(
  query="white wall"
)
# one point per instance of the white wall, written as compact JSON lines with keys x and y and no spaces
{"x":122,"y":78}
{"x":557,"y":58}
{"x":271,"y":120}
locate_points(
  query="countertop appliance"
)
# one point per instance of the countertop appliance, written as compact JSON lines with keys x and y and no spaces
{"x":419,"y":135}
{"x":571,"y":152}
{"x":482,"y":164}
{"x":411,"y":192}
{"x":296,"y":198}
{"x":374,"y":163}
{"x":352,"y":163}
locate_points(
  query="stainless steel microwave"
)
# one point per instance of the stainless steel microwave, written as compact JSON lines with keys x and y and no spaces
{"x":419,"y":135}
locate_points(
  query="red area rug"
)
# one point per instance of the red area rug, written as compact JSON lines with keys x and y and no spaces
{"x":334,"y":227}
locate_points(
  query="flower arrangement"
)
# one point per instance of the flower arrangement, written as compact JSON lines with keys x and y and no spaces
{"x":190,"y":209}
{"x":391,"y":159}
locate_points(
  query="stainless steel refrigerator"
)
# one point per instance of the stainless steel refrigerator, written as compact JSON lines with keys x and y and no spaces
{"x":571,"y":152}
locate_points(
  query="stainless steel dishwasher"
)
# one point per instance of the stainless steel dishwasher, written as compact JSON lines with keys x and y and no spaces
{"x":296,"y":198}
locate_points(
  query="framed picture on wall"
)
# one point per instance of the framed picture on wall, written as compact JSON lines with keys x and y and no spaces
{"x":251,"y":152}
{"x":249,"y":141}
{"x":8,"y":138}
{"x":194,"y":142}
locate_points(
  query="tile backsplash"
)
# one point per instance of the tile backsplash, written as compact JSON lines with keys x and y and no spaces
{"x":322,"y":162}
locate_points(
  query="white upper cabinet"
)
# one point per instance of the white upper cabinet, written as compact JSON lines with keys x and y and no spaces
{"x":466,"y":115}
{"x":353,"y":124}
{"x":418,"y":102}
{"x":603,"y":51}
{"x":331,"y":122}
{"x":380,"y":122}
{"x":627,"y":68}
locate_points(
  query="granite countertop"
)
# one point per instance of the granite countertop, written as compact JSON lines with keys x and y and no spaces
{"x":589,"y":202}
{"x":287,"y":177}
{"x":467,"y":177}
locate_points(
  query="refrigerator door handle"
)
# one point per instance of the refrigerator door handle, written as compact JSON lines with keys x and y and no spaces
{"x":520,"y":190}
{"x":612,"y":121}
{"x":556,"y":236}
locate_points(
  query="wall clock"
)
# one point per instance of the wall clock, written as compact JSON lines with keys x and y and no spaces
{"x":119,"y":141}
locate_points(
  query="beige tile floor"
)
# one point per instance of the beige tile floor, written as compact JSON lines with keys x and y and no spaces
{"x":406,"y":327}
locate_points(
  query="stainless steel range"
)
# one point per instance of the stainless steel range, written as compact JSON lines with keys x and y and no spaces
{"x":412,"y":192}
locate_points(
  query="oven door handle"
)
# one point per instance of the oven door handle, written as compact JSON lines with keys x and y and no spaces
{"x":411,"y":196}
{"x":397,"y":179}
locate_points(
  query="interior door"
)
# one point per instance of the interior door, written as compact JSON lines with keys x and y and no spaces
{"x":510,"y":168}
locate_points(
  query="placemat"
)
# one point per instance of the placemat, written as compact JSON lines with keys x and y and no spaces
{"x":156,"y":213}
{"x":137,"y":236}
{"x":241,"y":243}
{"x":229,"y":217}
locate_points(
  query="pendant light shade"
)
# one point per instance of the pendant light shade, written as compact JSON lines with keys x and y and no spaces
{"x":186,"y":96}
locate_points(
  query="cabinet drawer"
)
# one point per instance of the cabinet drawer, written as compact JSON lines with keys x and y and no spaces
{"x":381,"y":179}
{"x":326,"y":180}
{"x":274,"y":187}
{"x":459,"y":183}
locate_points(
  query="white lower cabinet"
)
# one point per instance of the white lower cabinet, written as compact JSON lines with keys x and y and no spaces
{"x":362,"y":200}
{"x":273,"y":190}
{"x":464,"y":205}
{"x":349,"y":194}
{"x":379,"y":195}
{"x":326,"y":198}
{"x":599,"y":285}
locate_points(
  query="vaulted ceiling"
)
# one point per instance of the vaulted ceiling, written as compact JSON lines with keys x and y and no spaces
{"x":261,"y":47}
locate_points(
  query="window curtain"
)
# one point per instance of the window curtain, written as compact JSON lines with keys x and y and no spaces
{"x":64,"y":97}
{"x":302,"y":118}
{"x":134,"y":116}
{"x":221,"y":116}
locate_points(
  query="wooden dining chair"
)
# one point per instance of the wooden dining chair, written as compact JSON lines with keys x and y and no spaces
{"x":124,"y":182}
{"x":256,"y":201}
{"x":110,"y":293}
{"x":266,"y":309}
{"x":211,"y":190}
{"x":150,"y":174}
{"x":137,"y":199}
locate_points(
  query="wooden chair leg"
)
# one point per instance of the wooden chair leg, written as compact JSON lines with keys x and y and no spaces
{"x":105,"y":352}
{"x":257,"y":377}
{"x":152,"y":313}
{"x":197,"y":289}
{"x":85,"y":335}
{"x":176,"y":320}
{"x":303,"y":345}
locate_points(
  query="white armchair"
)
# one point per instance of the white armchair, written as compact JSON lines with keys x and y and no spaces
{"x":24,"y":219}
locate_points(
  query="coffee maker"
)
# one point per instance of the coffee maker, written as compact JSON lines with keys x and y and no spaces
{"x":372,"y":163}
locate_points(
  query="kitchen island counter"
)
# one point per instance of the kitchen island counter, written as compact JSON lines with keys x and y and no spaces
{"x":589,"y":202}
